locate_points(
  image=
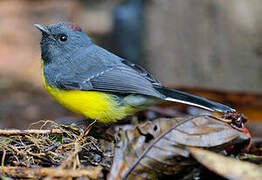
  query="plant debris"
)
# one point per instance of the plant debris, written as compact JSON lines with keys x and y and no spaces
{"x":157,"y":148}
{"x":38,"y":153}
{"x":238,"y":120}
{"x":33,"y":173}
{"x":153,"y":146}
{"x":227,"y":167}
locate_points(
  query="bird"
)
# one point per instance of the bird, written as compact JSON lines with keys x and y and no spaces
{"x":95,"y":83}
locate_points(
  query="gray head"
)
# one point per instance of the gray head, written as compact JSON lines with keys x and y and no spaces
{"x":61,"y":40}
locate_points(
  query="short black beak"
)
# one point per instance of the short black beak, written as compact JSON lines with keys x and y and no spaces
{"x":42,"y":28}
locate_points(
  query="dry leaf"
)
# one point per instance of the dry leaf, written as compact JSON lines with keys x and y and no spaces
{"x":227,"y":167}
{"x":157,"y":148}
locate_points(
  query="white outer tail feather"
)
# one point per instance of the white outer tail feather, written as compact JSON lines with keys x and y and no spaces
{"x":186,"y":102}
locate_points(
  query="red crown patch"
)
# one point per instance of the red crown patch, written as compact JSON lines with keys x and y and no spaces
{"x":73,"y":26}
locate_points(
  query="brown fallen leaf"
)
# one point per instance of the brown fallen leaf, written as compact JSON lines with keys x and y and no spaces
{"x":156,"y":148}
{"x":227,"y":167}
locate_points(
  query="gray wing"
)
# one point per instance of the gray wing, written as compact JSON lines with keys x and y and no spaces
{"x":96,"y":69}
{"x":123,"y":78}
{"x":118,"y":79}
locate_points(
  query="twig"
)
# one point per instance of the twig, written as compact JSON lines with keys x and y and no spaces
{"x":89,"y":128}
{"x":72,"y":157}
{"x":3,"y":157}
{"x":30,"y":131}
{"x":12,"y":149}
{"x":23,"y":172}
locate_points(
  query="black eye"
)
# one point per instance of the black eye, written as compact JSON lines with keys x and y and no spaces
{"x":63,"y":37}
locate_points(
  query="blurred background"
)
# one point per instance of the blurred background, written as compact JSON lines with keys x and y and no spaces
{"x":207,"y":47}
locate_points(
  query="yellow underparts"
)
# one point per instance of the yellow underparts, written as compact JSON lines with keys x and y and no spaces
{"x":91,"y":104}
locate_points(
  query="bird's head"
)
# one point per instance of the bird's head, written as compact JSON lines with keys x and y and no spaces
{"x":61,"y":39}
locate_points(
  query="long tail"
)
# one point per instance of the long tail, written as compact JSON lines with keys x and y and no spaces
{"x":186,"y":98}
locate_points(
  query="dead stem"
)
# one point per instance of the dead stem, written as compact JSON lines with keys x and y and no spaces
{"x":3,"y":157}
{"x":23,"y":172}
{"x":30,"y":131}
{"x":68,"y":151}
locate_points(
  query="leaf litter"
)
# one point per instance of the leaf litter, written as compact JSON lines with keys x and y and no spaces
{"x":61,"y":152}
{"x":154,"y":146}
{"x":157,"y":148}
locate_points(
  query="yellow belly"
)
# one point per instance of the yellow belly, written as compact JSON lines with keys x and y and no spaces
{"x":91,"y":104}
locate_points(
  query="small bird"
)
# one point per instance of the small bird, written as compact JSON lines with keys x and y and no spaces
{"x":97,"y":84}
